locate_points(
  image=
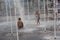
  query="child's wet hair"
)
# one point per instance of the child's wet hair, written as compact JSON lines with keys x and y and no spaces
{"x":19,"y":18}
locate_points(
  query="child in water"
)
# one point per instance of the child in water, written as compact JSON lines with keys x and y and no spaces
{"x":20,"y":23}
{"x":37,"y":17}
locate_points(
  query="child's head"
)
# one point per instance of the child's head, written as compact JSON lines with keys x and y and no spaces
{"x":19,"y":18}
{"x":37,"y":11}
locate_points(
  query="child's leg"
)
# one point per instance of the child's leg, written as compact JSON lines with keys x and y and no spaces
{"x":37,"y":22}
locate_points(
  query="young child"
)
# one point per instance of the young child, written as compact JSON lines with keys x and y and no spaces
{"x":37,"y":17}
{"x":20,"y":23}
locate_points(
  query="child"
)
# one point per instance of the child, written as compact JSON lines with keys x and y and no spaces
{"x":37,"y":17}
{"x":20,"y":23}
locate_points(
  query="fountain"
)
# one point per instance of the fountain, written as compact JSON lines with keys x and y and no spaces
{"x":28,"y":27}
{"x":20,"y":8}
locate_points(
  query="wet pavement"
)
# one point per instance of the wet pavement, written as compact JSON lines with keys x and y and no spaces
{"x":31,"y":31}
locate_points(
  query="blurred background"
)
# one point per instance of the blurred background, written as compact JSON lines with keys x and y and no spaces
{"x":11,"y":10}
